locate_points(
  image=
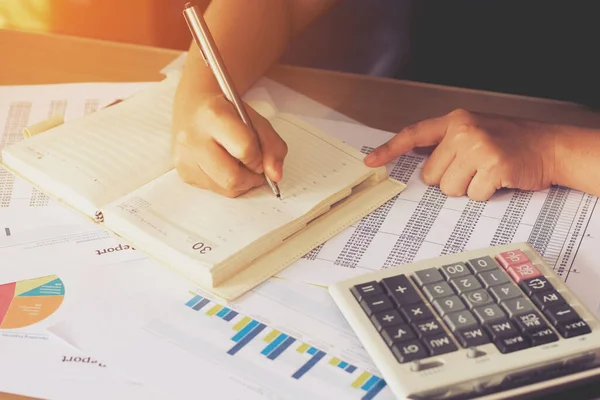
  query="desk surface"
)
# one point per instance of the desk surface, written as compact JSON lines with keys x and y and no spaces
{"x":381,"y":103}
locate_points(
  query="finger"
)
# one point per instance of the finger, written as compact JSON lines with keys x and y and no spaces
{"x":457,"y":178}
{"x":438,"y":162}
{"x":422,"y":134}
{"x":234,"y":136}
{"x":223,"y":169}
{"x":424,"y":150}
{"x":481,"y":188}
{"x":191,"y":173}
{"x":274,"y":148}
{"x":199,"y":179}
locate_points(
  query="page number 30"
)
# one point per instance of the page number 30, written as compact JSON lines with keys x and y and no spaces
{"x":201,"y":248}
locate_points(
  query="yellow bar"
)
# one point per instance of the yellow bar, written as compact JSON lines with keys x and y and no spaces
{"x":272,"y":335}
{"x":241,"y":323}
{"x":334,"y":361}
{"x":303,"y":347}
{"x":215,"y":309}
{"x":361,"y":379}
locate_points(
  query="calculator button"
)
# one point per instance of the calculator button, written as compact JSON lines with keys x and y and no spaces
{"x":574,"y":328}
{"x":465,"y":283}
{"x":368,"y":289}
{"x":535,"y":285}
{"x":477,"y":298}
{"x":460,"y":320}
{"x":472,"y":337}
{"x":455,"y":270}
{"x":561,"y":314}
{"x":386,"y":318}
{"x":482,"y":264}
{"x":426,"y":276}
{"x":512,"y":343}
{"x":489,"y":314}
{"x":448,"y":305}
{"x":397,"y":334}
{"x":374,"y":304}
{"x":543,"y":336}
{"x":437,"y":290}
{"x":530,"y":322}
{"x":416,"y":312}
{"x":505,"y":291}
{"x":401,"y":290}
{"x":409,"y":351}
{"x":523,"y":271}
{"x":517,"y":306}
{"x":511,"y":258}
{"x":492,"y":278}
{"x":548,"y":299}
{"x":502,"y":329}
{"x":428,"y":328}
{"x":440,"y":344}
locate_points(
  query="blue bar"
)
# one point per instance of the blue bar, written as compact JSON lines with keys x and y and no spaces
{"x":223,"y":312}
{"x":351,"y":368}
{"x":312,"y":350}
{"x":370,"y":382}
{"x":239,"y":345}
{"x":343,"y":364}
{"x":309,"y":364}
{"x":230,"y":316}
{"x":243,"y":332}
{"x":374,"y":390}
{"x":281,"y":348}
{"x":193,"y":301}
{"x":274,"y":344}
{"x":202,"y":303}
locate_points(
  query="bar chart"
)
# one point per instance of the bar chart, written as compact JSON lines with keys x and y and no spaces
{"x":302,"y":360}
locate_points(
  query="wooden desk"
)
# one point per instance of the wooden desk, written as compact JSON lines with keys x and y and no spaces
{"x":386,"y":104}
{"x":380,"y":103}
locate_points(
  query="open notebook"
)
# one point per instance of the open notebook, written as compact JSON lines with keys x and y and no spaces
{"x":115,"y":167}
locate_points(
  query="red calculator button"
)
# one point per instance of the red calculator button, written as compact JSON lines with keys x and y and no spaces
{"x":511,"y":258}
{"x":523,"y":271}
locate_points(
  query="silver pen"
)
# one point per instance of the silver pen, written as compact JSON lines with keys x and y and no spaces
{"x":212,"y":58}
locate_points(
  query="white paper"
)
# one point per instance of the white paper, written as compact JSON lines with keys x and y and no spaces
{"x":34,"y":362}
{"x":34,"y":294}
{"x":141,"y":321}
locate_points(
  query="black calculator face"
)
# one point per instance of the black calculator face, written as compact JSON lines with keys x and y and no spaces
{"x":469,"y":309}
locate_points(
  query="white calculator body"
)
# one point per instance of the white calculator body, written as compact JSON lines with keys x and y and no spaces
{"x":489,"y":323}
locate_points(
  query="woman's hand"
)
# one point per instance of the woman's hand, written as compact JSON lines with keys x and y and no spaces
{"x":213,"y":149}
{"x":477,"y":154}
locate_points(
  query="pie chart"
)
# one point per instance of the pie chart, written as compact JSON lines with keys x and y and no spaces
{"x":27,"y":302}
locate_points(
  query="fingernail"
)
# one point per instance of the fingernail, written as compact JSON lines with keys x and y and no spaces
{"x":371,"y":158}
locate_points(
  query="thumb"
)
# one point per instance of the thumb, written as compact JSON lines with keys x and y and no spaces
{"x":274,"y":148}
{"x":425,"y":133}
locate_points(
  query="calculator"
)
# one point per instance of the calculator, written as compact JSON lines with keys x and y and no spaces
{"x":490,"y":324}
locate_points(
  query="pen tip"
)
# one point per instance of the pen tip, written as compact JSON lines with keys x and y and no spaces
{"x":278,"y":196}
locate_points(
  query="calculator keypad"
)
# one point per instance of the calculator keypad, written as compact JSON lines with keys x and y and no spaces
{"x":503,"y":299}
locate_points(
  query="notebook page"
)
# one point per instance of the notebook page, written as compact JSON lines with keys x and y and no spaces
{"x":170,"y":217}
{"x":98,"y":158}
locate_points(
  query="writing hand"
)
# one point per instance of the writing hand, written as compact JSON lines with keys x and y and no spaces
{"x":213,"y":149}
{"x":477,"y":154}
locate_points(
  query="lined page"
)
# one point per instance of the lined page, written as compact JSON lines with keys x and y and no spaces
{"x":168,"y":215}
{"x":103,"y":156}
